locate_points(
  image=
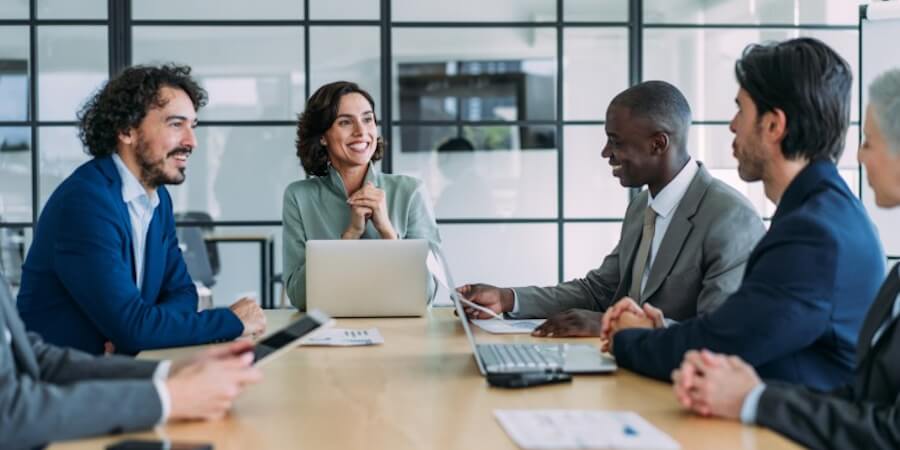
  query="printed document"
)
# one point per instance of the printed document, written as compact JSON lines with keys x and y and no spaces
{"x":508,"y":326}
{"x":343,"y":337}
{"x":581,"y":429}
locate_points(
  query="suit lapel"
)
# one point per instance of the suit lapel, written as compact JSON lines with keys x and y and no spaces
{"x":108,"y":168}
{"x":153,"y":271}
{"x":677,"y":233}
{"x":881,"y":309}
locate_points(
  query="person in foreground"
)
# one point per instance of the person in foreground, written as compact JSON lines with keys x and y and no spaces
{"x":811,"y":278}
{"x":864,"y":414}
{"x":684,"y":240}
{"x":346,"y":196}
{"x":104,"y":271}
{"x":50,"y":393}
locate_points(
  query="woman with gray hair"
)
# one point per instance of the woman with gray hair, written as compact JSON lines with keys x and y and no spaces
{"x":864,"y":414}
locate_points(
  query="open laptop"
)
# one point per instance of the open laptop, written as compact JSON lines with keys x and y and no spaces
{"x":527,"y":357}
{"x":367,"y":277}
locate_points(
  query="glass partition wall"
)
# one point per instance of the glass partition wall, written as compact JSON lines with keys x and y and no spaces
{"x":498,"y":106}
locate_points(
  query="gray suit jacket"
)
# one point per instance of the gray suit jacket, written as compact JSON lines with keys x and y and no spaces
{"x":864,"y":414}
{"x":700,"y":260}
{"x":50,"y":394}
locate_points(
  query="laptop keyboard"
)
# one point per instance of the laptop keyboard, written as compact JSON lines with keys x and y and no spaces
{"x":517,"y":358}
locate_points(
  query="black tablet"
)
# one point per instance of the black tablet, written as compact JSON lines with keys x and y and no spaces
{"x":286,"y":338}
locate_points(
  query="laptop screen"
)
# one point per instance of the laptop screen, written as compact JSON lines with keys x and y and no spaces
{"x":442,"y":273}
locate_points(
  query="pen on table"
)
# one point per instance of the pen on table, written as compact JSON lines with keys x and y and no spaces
{"x":629,"y":431}
{"x":480,"y":308}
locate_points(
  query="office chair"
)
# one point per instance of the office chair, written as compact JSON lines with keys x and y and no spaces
{"x":212,"y":249}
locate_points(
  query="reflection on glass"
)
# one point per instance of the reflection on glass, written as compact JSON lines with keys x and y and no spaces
{"x":15,"y":174}
{"x":586,"y":244}
{"x":502,"y":254}
{"x":831,"y":12}
{"x":475,"y":11}
{"x":61,"y":153}
{"x":591,"y":191}
{"x":14,"y":73}
{"x":595,"y":71}
{"x":67,"y":9}
{"x":73,"y":65}
{"x":217,"y":9}
{"x":14,"y":9}
{"x":344,"y":10}
{"x":474,"y":74}
{"x":595,"y":10}
{"x":346,"y":53}
{"x":251,"y":73}
{"x":222,"y":176}
{"x":701,"y":62}
{"x":484,"y":172}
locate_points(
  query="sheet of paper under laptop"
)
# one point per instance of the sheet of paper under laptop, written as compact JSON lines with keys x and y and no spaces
{"x":344,"y":337}
{"x":509,"y":326}
{"x":581,"y":429}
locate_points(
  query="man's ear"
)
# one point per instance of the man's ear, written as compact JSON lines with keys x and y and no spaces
{"x":775,"y":125}
{"x":659,"y":142}
{"x":127,"y":136}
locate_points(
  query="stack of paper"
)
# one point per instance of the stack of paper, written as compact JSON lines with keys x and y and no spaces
{"x":343,"y":337}
{"x":581,"y":429}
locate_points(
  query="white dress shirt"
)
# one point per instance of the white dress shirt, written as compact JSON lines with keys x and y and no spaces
{"x":140,"y":209}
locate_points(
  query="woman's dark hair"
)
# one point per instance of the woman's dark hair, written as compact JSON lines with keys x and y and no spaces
{"x":811,"y":83}
{"x":320,"y":113}
{"x":125,"y":100}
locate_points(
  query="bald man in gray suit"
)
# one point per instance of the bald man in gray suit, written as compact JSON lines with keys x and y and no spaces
{"x":684,"y":240}
{"x":48,"y":393}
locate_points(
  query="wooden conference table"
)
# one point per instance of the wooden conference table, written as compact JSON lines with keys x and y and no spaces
{"x":420,"y":390}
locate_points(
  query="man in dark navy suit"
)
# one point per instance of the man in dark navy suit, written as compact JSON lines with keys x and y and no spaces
{"x":105,"y":271}
{"x":811,"y":278}
{"x":864,"y":414}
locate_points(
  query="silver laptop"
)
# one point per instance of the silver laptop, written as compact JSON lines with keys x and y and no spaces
{"x":528,"y":357}
{"x":367,"y":277}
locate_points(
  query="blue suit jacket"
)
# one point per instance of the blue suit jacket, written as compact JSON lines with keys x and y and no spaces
{"x":805,"y":293}
{"x":78,"y":281}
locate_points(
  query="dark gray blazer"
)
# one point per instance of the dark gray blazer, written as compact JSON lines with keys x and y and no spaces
{"x":50,"y":394}
{"x":699,"y":264}
{"x":862,"y":415}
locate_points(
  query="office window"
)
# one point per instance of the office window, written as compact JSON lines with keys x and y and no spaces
{"x":239,"y":173}
{"x":701,"y":62}
{"x":60,"y":153}
{"x":68,"y":9}
{"x":72,"y":66}
{"x":344,"y":10}
{"x":15,"y":173}
{"x":503,"y":255}
{"x":595,"y":10}
{"x":593,"y":70}
{"x":14,"y":73}
{"x":586,"y":246}
{"x":346,"y":53}
{"x":251,"y":73}
{"x":217,"y":10}
{"x":756,"y":12}
{"x":474,"y":11}
{"x":14,"y":9}
{"x":591,"y":191}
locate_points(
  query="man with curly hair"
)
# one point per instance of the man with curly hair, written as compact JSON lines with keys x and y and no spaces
{"x":104,"y":271}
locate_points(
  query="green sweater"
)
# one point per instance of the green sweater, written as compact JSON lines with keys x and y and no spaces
{"x":316,"y":208}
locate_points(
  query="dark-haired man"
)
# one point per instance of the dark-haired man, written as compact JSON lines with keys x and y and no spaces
{"x":684,"y":240}
{"x":104,"y":270}
{"x":810,"y":280}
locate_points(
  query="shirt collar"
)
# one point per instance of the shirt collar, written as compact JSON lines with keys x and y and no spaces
{"x":337,"y":183}
{"x":670,"y":196}
{"x":131,"y":187}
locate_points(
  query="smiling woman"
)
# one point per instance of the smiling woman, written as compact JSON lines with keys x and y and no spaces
{"x":347,"y":197}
